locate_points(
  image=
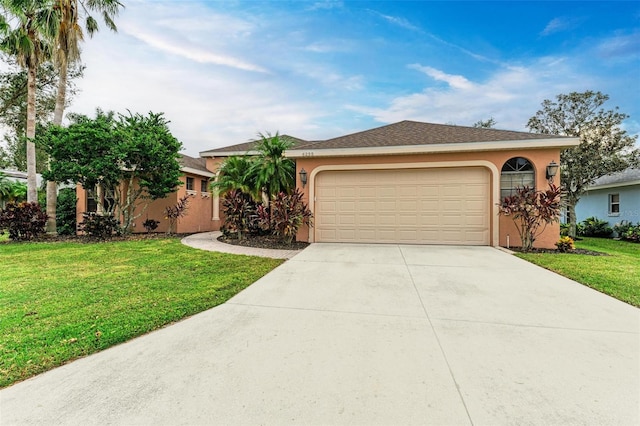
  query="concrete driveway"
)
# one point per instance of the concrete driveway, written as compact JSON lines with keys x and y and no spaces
{"x":367,"y":334}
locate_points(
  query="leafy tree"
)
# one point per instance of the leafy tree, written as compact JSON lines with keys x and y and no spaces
{"x":67,"y":53}
{"x":604,"y":147}
{"x":489,"y":123}
{"x":13,"y":108}
{"x":532,"y":211}
{"x":130,"y":159}
{"x":28,"y":29}
{"x":66,"y":212}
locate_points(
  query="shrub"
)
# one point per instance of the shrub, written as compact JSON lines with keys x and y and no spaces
{"x":66,"y":212}
{"x":630,"y":232}
{"x":150,"y":225}
{"x":532,"y":211}
{"x":622,"y":228}
{"x":239,"y":213}
{"x":176,"y":212}
{"x":288,"y":213}
{"x":564,"y":229}
{"x":24,"y":221}
{"x":101,"y":226}
{"x":565,"y":244}
{"x":594,"y":227}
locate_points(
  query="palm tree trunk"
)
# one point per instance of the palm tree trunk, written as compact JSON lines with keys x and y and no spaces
{"x":32,"y":185}
{"x":58,"y":112}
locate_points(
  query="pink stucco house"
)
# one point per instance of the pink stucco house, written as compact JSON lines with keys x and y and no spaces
{"x":408,"y":182}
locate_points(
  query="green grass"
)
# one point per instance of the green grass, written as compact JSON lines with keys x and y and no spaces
{"x":61,"y":301}
{"x":617,"y":275}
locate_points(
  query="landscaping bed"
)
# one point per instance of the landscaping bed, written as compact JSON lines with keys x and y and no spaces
{"x":264,"y":241}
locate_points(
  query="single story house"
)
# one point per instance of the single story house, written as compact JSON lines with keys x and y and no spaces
{"x":614,"y":198}
{"x":415,"y":183}
{"x":195,"y":179}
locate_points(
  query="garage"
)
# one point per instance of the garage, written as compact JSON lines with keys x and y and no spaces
{"x":412,"y":206}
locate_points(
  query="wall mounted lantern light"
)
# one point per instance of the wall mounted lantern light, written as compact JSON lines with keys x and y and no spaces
{"x":303,"y":177}
{"x":552,"y":170}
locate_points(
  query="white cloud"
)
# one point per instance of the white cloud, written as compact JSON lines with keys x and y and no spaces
{"x":561,"y":24}
{"x":176,"y":47}
{"x":511,"y":95}
{"x":398,"y":21}
{"x":455,"y":81}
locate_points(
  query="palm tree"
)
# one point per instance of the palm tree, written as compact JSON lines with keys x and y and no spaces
{"x":5,"y":188}
{"x":275,"y":173}
{"x":68,"y":38}
{"x":28,"y":28}
{"x":236,"y":172}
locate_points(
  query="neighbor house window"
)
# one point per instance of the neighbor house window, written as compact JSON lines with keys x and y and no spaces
{"x":204,"y":185}
{"x":190,"y":184}
{"x":614,"y":204}
{"x":517,"y":172}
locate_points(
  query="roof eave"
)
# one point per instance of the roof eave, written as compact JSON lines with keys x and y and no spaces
{"x":614,"y":185}
{"x":197,"y":172}
{"x":213,"y":154}
{"x":560,"y":143}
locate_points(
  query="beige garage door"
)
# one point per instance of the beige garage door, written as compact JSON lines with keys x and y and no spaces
{"x":414,"y":206}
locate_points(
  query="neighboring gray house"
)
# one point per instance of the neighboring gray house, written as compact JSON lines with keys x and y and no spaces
{"x":18,"y":176}
{"x":613,"y":198}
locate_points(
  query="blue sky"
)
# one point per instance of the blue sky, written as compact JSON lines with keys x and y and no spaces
{"x":224,"y":71}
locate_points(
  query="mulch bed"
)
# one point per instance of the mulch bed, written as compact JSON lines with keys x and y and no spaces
{"x":553,"y":251}
{"x":46,"y":238}
{"x":264,"y":241}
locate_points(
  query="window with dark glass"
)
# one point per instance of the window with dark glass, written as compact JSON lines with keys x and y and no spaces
{"x":204,"y":185}
{"x":190,"y":183}
{"x":614,"y":204}
{"x":517,"y":172}
{"x":92,"y":203}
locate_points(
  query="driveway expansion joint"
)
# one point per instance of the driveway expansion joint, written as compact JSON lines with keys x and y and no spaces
{"x":541,"y":326}
{"x":332,"y":311}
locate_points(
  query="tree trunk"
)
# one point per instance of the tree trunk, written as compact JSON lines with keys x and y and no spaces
{"x":52,"y":187}
{"x":571,"y":209}
{"x":32,"y":185}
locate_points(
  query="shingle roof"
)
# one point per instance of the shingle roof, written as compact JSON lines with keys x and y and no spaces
{"x":193,"y":163}
{"x":628,"y":175}
{"x":411,"y":133}
{"x":249,"y":146}
{"x":403,"y":133}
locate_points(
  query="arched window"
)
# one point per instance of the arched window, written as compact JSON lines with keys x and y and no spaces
{"x":517,"y":172}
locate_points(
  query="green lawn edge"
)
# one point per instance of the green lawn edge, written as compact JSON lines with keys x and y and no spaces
{"x":617,"y":275}
{"x":62,"y":301}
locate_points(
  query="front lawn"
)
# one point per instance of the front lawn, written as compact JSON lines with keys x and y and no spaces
{"x":61,"y":301}
{"x":617,"y":275}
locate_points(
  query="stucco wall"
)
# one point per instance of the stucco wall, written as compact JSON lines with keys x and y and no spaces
{"x":505,"y":227}
{"x":596,"y":203}
{"x":197,"y":219}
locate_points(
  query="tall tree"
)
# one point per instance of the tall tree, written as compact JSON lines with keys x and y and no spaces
{"x":604,"y":147}
{"x":29,"y":28}
{"x":489,"y":123}
{"x":67,"y":52}
{"x":133,"y":158}
{"x":13,"y":108}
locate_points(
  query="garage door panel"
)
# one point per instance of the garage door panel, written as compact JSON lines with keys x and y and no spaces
{"x":439,"y":206}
